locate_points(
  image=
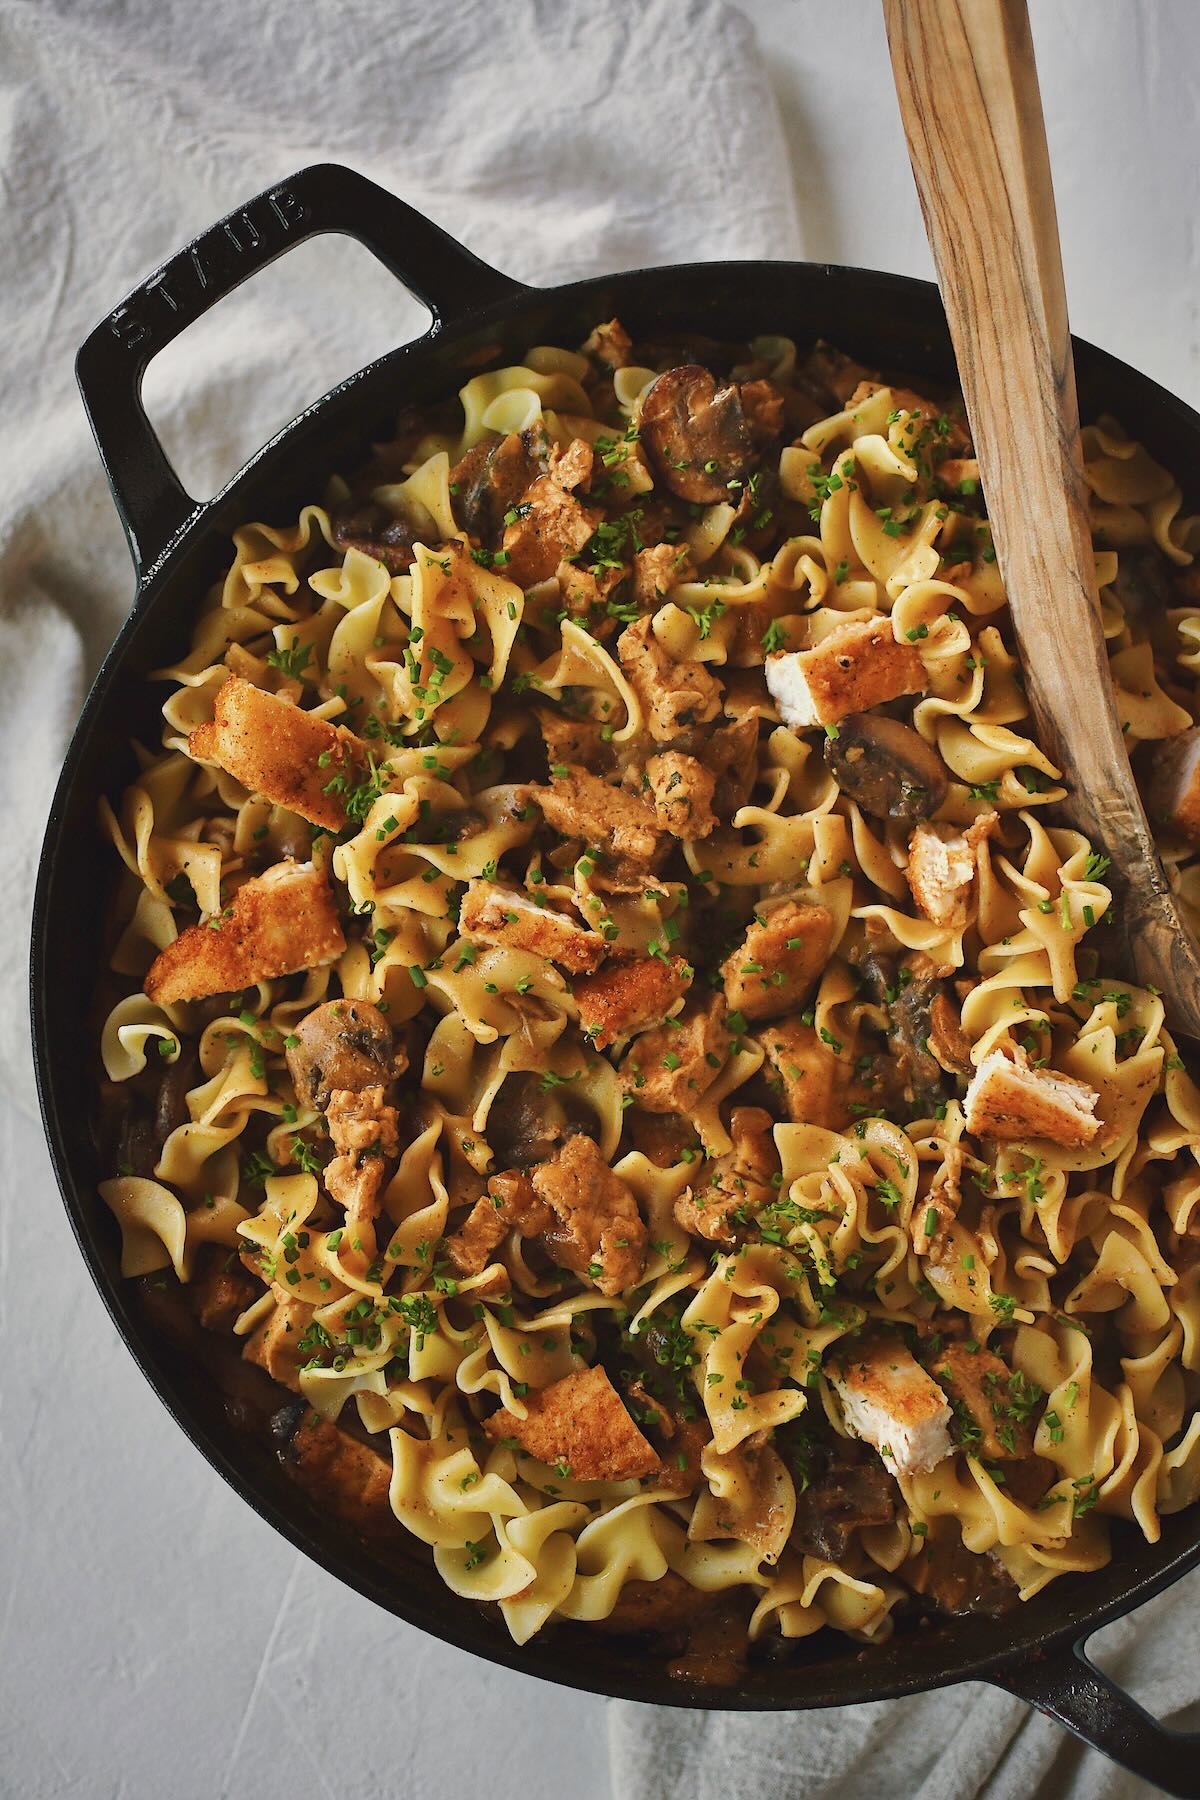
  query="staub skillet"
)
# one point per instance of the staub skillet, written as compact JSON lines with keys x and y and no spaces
{"x":178,"y":547}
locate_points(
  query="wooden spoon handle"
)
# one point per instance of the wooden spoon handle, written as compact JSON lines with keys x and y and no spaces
{"x":969,"y":100}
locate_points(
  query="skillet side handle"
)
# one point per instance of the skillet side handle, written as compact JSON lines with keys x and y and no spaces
{"x":440,"y":272}
{"x":1068,"y":1687}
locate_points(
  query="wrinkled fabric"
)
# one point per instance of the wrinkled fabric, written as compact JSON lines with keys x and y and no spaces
{"x":953,"y":1744}
{"x":556,"y":138}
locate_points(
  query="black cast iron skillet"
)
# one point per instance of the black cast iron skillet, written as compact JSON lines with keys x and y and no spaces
{"x":179,"y":547}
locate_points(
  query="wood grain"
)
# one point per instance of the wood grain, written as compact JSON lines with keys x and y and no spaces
{"x":969,"y":100}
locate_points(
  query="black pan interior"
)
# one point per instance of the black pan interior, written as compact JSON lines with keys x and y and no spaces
{"x":886,"y":322}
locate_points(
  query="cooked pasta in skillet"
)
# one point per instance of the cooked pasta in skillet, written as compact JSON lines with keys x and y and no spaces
{"x":604,"y":1017}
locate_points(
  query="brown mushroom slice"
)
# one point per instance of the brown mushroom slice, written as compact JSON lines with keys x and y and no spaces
{"x":493,"y":476}
{"x":886,"y":767}
{"x":343,"y":1045}
{"x":696,"y":434}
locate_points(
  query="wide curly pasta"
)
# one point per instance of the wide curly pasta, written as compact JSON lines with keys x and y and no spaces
{"x":602,"y":1007}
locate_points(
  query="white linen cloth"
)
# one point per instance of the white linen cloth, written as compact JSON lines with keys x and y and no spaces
{"x":557,"y":138}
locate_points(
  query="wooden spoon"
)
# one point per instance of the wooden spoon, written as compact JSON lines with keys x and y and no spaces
{"x":972,"y":113}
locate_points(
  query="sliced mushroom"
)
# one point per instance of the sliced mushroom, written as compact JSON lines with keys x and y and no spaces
{"x":699,"y":436}
{"x":528,"y":1124}
{"x":344,"y":1044}
{"x":911,"y":1072}
{"x":492,"y":477}
{"x":886,"y":767}
{"x":372,"y":529}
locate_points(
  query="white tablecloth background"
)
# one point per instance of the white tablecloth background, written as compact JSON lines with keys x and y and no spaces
{"x":156,"y":1639}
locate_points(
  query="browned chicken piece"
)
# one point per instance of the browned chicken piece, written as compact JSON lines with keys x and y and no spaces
{"x":276,"y":749}
{"x":683,"y":791}
{"x":813,"y":1081}
{"x":628,"y":996}
{"x":598,"y":1231}
{"x":778,"y":960}
{"x":275,"y":1344}
{"x":733,"y":1187}
{"x":669,"y":1069}
{"x":275,"y":924}
{"x":364,"y":1131}
{"x":657,"y":569}
{"x":341,"y":1044}
{"x":579,"y":1426}
{"x":674,"y":695}
{"x":731,"y":755}
{"x":622,"y":827}
{"x":551,"y":525}
{"x":220,"y":1289}
{"x":1009,"y":1102}
{"x":858,"y":666}
{"x":342,"y":1476}
{"x":492,"y":476}
{"x":504,"y":915}
{"x":942,"y":866}
{"x":1173,"y":794}
{"x":609,"y":344}
{"x":890,"y":1401}
{"x":904,"y":400}
{"x":992,"y":1403}
{"x":509,"y":1204}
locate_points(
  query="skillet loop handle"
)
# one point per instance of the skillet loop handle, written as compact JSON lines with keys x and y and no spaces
{"x":1068,"y":1687}
{"x":440,"y":272}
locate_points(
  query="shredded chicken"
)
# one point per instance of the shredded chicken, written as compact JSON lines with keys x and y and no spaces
{"x":942,"y":867}
{"x":674,"y":696}
{"x":656,"y":570}
{"x":994,"y":1404}
{"x":733,"y":1187}
{"x":813,"y":1081}
{"x":510,"y":1204}
{"x":610,"y":344}
{"x":275,"y":924}
{"x":275,"y":1344}
{"x":609,"y":819}
{"x":551,"y":525}
{"x":363,"y":1128}
{"x":597,"y":1230}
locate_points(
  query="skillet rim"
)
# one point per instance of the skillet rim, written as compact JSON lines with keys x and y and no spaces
{"x":340,"y":1553}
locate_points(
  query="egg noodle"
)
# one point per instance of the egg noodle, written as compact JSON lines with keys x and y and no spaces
{"x":565,"y":1080}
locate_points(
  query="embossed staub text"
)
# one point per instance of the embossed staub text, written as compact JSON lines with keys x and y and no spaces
{"x":216,"y":262}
